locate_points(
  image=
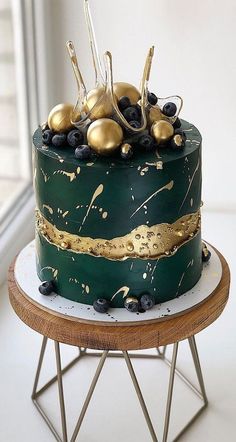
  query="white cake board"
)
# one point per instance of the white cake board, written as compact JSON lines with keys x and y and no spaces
{"x":28,"y":282}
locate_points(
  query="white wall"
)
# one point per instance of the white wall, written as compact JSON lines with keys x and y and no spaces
{"x":195,"y":58}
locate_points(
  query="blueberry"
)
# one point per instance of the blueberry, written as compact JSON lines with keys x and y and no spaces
{"x":46,"y":288}
{"x":47,"y":137}
{"x":123,"y":103}
{"x":152,"y":98}
{"x":146,"y":142}
{"x":147,"y":301}
{"x":169,"y":109}
{"x":83,"y":152}
{"x":177,"y":124}
{"x":59,"y":140}
{"x":138,"y":109}
{"x":131,"y":113}
{"x":75,"y":138}
{"x":101,"y":305}
{"x":135,"y":124}
{"x":131,"y":304}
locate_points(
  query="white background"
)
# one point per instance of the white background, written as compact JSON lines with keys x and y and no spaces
{"x":195,"y":58}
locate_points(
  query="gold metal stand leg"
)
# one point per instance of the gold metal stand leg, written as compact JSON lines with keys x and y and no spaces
{"x":194,"y":351}
{"x":38,"y":371}
{"x":170,"y":391}
{"x":140,"y":396}
{"x":36,"y":393}
{"x":201,"y":394}
{"x":89,"y":395}
{"x":161,"y":354}
{"x":60,"y":391}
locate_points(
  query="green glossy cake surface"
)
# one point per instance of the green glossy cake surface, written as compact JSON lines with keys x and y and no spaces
{"x":109,"y":198}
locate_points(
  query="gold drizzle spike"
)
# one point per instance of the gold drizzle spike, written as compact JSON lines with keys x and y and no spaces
{"x":99,"y":78}
{"x":154,"y":242}
{"x":92,"y":105}
{"x":144,"y":90}
{"x":80,"y":84}
{"x":145,"y":79}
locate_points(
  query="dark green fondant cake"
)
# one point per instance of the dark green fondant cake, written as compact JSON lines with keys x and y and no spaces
{"x":109,"y":228}
{"x":118,"y":192}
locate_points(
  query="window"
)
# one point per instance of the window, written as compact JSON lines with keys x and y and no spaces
{"x":19,"y":116}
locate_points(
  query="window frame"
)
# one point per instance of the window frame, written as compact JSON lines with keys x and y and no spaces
{"x":29,"y":17}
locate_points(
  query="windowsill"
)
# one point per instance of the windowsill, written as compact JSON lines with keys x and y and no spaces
{"x":18,"y":230}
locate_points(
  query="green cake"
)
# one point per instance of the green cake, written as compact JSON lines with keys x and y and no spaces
{"x":118,"y":193}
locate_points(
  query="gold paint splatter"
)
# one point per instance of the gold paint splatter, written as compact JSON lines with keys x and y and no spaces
{"x":89,"y":164}
{"x":65,"y":213}
{"x":74,"y":280}
{"x":190,"y":183}
{"x":53,"y":270}
{"x":97,"y":192}
{"x":58,"y":157}
{"x":45,"y":206}
{"x":70,"y":175}
{"x":144,"y":275}
{"x":124,"y":289}
{"x":183,"y":275}
{"x":191,"y":202}
{"x":168,"y":186}
{"x":104,"y":215}
{"x":143,"y":171}
{"x":158,"y":165}
{"x":45,"y":176}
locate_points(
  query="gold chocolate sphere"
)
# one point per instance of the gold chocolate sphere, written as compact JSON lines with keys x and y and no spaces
{"x":103,"y":109}
{"x":126,"y":90}
{"x":131,"y":303}
{"x":154,"y":114}
{"x":178,"y":140}
{"x":104,"y":136}
{"x":59,"y":119}
{"x":162,"y":131}
{"x":126,"y":150}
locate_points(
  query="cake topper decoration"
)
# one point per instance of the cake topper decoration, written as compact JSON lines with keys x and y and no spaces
{"x":114,"y":114}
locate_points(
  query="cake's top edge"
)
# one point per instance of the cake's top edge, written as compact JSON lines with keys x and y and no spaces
{"x":156,"y":157}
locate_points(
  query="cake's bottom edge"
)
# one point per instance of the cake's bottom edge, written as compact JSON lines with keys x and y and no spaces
{"x":84,"y":278}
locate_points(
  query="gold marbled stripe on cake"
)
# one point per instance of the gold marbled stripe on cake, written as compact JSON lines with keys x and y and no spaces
{"x":157,"y":241}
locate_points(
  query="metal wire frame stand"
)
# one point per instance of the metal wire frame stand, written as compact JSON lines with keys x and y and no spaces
{"x":161,"y":354}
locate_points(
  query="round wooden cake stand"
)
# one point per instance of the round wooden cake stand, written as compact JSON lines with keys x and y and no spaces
{"x":123,"y":338}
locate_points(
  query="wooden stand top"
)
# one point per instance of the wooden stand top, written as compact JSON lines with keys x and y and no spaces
{"x":124,"y":337}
